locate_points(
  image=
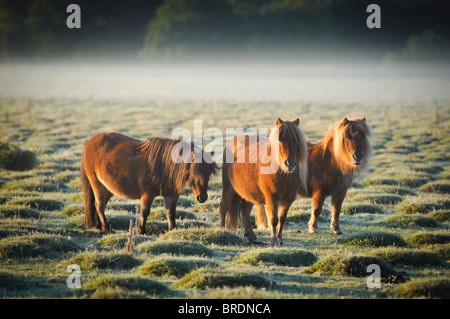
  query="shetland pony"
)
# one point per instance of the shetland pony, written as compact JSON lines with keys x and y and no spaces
{"x":115,"y":164}
{"x":343,"y":152}
{"x":246,"y":182}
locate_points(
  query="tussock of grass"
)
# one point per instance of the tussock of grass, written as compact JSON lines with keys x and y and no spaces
{"x":377,"y":180}
{"x":409,"y":257}
{"x":441,"y":216}
{"x":160,"y":227}
{"x":11,"y":283}
{"x":205,"y":236}
{"x":119,"y":241}
{"x":443,"y":250}
{"x":361,"y":208}
{"x":13,"y":158}
{"x":14,"y":227}
{"x":38,"y":203}
{"x":355,"y":266}
{"x":211,"y":278}
{"x":35,"y":185}
{"x":185,"y":202}
{"x":411,"y":221}
{"x":428,"y":239}
{"x":126,"y":285}
{"x":423,"y":204}
{"x":173,"y":266}
{"x":378,"y":198}
{"x":73,"y":210}
{"x":156,"y":228}
{"x":235,"y":293}
{"x":118,"y":293}
{"x":302,"y":217}
{"x":397,"y":190}
{"x":104,"y":260}
{"x":44,"y":245}
{"x":425,"y":288}
{"x":13,"y":211}
{"x":66,"y":176}
{"x":185,"y":248}
{"x":440,"y":186}
{"x":374,"y":239}
{"x":283,"y":257}
{"x":426,"y":168}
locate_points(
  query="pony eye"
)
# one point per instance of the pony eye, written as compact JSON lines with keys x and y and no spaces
{"x":347,"y":138}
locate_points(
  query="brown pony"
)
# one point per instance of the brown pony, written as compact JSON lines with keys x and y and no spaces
{"x":115,"y":164}
{"x":246,"y":182}
{"x":344,"y":151}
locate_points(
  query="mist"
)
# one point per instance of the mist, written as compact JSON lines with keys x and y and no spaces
{"x":274,"y":81}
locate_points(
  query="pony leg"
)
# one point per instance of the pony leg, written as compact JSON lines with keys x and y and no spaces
{"x":246,"y":209}
{"x":272,"y":215}
{"x":317,"y":204}
{"x":100,"y":204}
{"x":146,"y":204}
{"x":282,"y":214}
{"x":260,"y":216}
{"x":228,"y":206}
{"x":336,"y":202}
{"x":170,"y":202}
{"x":102,"y":196}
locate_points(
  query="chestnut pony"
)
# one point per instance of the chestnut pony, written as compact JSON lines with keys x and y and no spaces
{"x":344,"y":151}
{"x":273,"y":182}
{"x":115,"y":164}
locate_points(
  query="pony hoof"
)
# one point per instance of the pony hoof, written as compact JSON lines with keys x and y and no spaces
{"x":313,"y":230}
{"x":337,"y":232}
{"x":274,"y":243}
{"x":104,"y":231}
{"x":251,"y":238}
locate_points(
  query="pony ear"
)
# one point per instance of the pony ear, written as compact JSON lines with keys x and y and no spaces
{"x":364,"y":119}
{"x":296,"y":121}
{"x":279,"y":122}
{"x":345,"y":121}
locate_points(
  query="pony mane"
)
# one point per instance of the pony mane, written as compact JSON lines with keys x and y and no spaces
{"x":333,"y":141}
{"x":164,"y":171}
{"x":290,"y":133}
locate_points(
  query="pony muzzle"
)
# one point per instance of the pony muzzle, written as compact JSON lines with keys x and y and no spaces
{"x":202,"y":198}
{"x":290,"y":165}
{"x":357,"y":159}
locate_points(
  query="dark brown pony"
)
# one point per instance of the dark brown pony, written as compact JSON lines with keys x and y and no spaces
{"x":256,"y":180}
{"x":344,"y":151}
{"x":115,"y":164}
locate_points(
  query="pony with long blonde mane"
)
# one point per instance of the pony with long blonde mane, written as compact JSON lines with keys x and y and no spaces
{"x":343,"y":152}
{"x":247,"y":182}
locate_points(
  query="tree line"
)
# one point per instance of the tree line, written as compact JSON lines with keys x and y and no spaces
{"x":410,"y":30}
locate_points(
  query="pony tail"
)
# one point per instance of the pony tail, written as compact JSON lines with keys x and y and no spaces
{"x":91,"y":219}
{"x":260,"y":216}
{"x":232,"y":216}
{"x":304,"y":176}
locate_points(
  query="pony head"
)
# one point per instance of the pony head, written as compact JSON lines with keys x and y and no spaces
{"x":292,"y":144}
{"x":199,"y":174}
{"x":351,"y":144}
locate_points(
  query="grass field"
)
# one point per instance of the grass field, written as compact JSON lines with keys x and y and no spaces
{"x":396,"y":215}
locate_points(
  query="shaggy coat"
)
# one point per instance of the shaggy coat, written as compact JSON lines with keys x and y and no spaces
{"x":344,"y":151}
{"x":245,"y":183}
{"x":115,"y":164}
